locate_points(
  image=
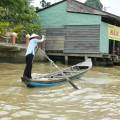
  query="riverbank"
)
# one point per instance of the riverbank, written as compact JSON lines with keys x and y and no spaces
{"x":15,"y":53}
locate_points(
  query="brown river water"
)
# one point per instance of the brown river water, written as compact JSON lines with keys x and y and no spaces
{"x":98,"y":97}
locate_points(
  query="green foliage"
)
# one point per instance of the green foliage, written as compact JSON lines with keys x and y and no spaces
{"x":18,"y":28}
{"x":95,"y":4}
{"x":2,"y":12}
{"x":4,"y":26}
{"x":17,"y":11}
{"x":18,"y":16}
{"x":24,"y":29}
{"x":33,"y":28}
{"x":44,"y":3}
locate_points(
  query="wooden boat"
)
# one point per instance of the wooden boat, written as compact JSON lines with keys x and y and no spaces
{"x":59,"y":77}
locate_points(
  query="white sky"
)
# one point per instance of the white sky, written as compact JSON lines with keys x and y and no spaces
{"x":112,"y":6}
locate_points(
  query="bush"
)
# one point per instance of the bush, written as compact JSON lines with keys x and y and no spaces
{"x":22,"y":30}
{"x":4,"y":27}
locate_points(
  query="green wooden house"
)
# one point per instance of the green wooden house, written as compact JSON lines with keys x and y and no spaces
{"x":74,"y":29}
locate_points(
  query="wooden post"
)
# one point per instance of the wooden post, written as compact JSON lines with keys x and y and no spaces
{"x":66,"y":59}
{"x":113,"y":46}
{"x":86,"y":57}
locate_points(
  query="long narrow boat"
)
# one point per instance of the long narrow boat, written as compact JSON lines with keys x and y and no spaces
{"x":59,"y":77}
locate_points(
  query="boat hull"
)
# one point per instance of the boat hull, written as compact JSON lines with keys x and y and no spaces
{"x":38,"y":84}
{"x":59,"y":77}
{"x":34,"y":83}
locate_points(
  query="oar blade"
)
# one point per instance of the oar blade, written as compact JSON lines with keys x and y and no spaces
{"x":74,"y":86}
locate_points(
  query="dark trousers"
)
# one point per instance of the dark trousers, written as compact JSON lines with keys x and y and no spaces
{"x":28,"y":67}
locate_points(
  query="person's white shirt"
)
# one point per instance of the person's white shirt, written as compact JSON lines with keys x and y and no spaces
{"x":33,"y":44}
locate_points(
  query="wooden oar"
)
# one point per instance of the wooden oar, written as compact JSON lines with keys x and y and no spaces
{"x":67,"y":78}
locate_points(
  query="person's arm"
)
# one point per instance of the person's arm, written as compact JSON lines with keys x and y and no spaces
{"x":42,"y":39}
{"x":41,"y":42}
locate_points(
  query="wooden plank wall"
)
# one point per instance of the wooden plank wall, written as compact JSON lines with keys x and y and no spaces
{"x":74,"y":39}
{"x":55,"y":39}
{"x":82,"y":39}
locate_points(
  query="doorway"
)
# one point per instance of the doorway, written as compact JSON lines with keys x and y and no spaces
{"x":114,"y":47}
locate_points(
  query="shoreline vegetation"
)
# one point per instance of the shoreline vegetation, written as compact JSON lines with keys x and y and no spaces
{"x":20,"y":19}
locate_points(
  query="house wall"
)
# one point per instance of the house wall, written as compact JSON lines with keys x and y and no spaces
{"x":82,"y":39}
{"x":82,"y":19}
{"x":55,"y":39}
{"x":104,"y":41}
{"x":53,"y":17}
{"x":56,"y":20}
{"x":57,"y":16}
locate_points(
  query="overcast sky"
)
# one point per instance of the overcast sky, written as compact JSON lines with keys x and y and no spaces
{"x":112,"y":6}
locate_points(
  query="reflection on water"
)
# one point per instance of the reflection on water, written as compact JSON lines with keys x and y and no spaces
{"x":98,"y":97}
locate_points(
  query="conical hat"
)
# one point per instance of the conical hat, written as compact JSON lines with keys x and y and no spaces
{"x":34,"y":35}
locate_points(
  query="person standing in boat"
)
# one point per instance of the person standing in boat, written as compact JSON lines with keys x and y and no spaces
{"x":30,"y":53}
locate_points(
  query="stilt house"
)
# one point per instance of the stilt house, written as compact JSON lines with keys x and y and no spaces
{"x":74,"y":29}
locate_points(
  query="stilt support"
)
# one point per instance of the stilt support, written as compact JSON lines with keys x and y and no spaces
{"x":66,"y":60}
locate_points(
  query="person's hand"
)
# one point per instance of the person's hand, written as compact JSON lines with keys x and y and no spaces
{"x":43,"y":36}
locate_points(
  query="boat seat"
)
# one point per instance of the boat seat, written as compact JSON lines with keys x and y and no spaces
{"x":79,"y":67}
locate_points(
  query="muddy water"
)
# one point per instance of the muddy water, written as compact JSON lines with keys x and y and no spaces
{"x":98,"y":97}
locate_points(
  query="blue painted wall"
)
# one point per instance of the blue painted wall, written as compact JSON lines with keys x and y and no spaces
{"x":57,"y":16}
{"x":54,"y":16}
{"x":82,"y":19}
{"x":104,"y":41}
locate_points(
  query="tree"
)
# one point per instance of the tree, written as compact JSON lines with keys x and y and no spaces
{"x":44,"y":3}
{"x":95,"y":4}
{"x":16,"y":11}
{"x":18,"y":16}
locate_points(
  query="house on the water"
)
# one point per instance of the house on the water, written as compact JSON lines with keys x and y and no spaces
{"x":76,"y":30}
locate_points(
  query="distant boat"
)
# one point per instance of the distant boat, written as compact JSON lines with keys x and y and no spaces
{"x":59,"y":77}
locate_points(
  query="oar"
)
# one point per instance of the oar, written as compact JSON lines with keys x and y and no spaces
{"x":67,"y":78}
